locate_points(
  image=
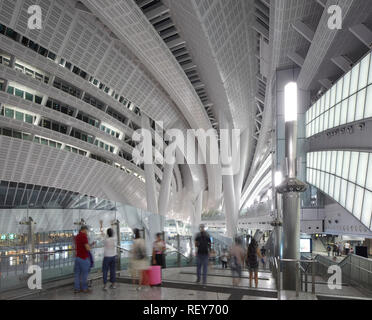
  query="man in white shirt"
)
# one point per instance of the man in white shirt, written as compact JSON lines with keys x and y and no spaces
{"x":109,"y":260}
{"x":347,"y":248}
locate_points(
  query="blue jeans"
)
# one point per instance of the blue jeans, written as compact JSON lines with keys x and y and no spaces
{"x":202,"y":262}
{"x":109,"y":264}
{"x":81,"y":270}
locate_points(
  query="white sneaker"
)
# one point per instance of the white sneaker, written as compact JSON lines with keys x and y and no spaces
{"x":113,"y":286}
{"x":105,"y":287}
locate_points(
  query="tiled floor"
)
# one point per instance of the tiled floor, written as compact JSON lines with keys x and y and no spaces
{"x":129,"y":292}
{"x":215,"y":277}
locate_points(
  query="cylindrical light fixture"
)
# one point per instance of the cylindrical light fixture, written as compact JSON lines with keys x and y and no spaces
{"x":290,"y":102}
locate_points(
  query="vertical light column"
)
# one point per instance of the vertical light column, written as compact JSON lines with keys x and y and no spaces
{"x":290,"y":188}
{"x":239,"y":178}
{"x":229,"y":189}
{"x":152,"y":204}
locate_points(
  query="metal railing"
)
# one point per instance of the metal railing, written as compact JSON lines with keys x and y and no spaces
{"x":356,"y":270}
{"x":301,"y":274}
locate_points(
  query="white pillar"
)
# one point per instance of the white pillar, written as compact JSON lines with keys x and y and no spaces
{"x":165,"y":189}
{"x":229,"y":197}
{"x":197,"y":212}
{"x":152,"y":204}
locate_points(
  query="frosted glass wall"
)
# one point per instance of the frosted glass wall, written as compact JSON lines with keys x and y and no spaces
{"x":349,"y":100}
{"x":346,"y":177}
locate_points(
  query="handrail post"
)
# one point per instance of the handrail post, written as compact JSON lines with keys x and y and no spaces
{"x":297,"y":279}
{"x":313,"y":277}
{"x":178,"y":251}
{"x":306,"y":281}
{"x":278,"y":278}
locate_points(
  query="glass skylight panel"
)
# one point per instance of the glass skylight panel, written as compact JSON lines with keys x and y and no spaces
{"x":346,"y":87}
{"x":362,"y":169}
{"x":364,"y":72}
{"x":327,"y":100}
{"x":333,"y":96}
{"x":334,"y":162}
{"x":324,"y":161}
{"x":346,"y":165}
{"x":350,"y":196}
{"x":343,"y":192}
{"x":367,"y":208}
{"x":321,"y":123}
{"x":337,"y":115}
{"x":328,"y":162}
{"x":339,"y":90}
{"x":368,"y":106}
{"x":322,"y":178}
{"x":370,"y":70}
{"x":326,"y":120}
{"x":344,"y":110}
{"x":354,"y":79}
{"x":354,"y":159}
{"x":322,"y":104}
{"x":336,"y":194}
{"x":340,"y":156}
{"x":351,"y":109}
{"x":332,"y":185}
{"x":331,"y":117}
{"x":326,"y":183}
{"x":361,"y":99}
{"x":369,"y":174}
{"x":317,"y":178}
{"x":358,"y":202}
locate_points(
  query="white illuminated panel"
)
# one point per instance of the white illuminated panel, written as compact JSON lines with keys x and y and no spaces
{"x":349,"y":100}
{"x":346,"y":176}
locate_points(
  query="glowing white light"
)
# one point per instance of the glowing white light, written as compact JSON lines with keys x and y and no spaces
{"x":269,"y":194}
{"x":278,"y":178}
{"x":290,"y":102}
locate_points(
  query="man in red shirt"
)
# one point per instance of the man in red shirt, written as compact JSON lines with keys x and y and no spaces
{"x":82,"y":262}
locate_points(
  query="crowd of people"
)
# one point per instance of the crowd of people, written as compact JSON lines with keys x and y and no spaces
{"x":139,"y":261}
{"x":338,"y":249}
{"x":236,"y":257}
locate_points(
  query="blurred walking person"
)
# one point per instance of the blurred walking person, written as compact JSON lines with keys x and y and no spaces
{"x":203,"y":245}
{"x":82,"y":261}
{"x":252,"y":262}
{"x":237,"y":255}
{"x":139,"y":263}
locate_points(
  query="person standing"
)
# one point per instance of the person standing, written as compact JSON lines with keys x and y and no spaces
{"x":347,"y":248}
{"x":237,"y":257}
{"x":263,"y":256}
{"x":139,"y":262}
{"x":329,"y":249}
{"x":224,"y":259}
{"x":82,"y":262}
{"x":252,"y":262}
{"x":109,"y":260}
{"x":334,"y":249}
{"x":158,"y":250}
{"x":203,"y":245}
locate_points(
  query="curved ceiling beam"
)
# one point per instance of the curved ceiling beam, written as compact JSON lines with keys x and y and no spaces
{"x":130,"y":25}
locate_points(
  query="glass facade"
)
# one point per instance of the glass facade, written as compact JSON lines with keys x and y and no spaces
{"x":349,"y":100}
{"x":345,"y":176}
